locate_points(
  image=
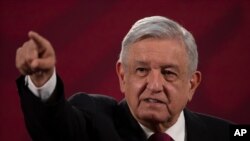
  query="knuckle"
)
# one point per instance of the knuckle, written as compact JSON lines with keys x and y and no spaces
{"x":19,"y":50}
{"x":18,"y":58}
{"x":18,"y":66}
{"x":25,"y":44}
{"x":29,"y":45}
{"x":23,"y":70}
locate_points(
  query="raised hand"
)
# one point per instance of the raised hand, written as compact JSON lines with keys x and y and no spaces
{"x":36,"y":58}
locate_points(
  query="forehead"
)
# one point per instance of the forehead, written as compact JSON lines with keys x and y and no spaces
{"x":161,"y":51}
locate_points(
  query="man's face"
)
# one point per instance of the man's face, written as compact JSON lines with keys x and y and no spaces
{"x":156,"y":81}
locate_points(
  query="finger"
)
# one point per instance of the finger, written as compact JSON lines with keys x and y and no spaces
{"x":21,"y":62}
{"x":42,"y":64}
{"x":25,"y":55}
{"x":25,"y":69}
{"x":41,"y":42}
{"x":30,"y":51}
{"x":22,"y":68}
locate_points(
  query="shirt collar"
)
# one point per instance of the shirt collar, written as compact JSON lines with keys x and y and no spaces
{"x":176,"y":132}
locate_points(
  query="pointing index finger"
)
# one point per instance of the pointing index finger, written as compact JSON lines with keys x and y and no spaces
{"x":41,"y":42}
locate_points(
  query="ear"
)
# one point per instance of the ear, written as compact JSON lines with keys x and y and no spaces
{"x":194,"y":83}
{"x":120,"y":73}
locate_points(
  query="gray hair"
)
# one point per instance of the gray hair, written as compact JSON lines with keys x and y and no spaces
{"x":160,"y":28}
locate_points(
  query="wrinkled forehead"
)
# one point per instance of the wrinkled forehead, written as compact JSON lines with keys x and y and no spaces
{"x":160,"y":45}
{"x":160,"y":51}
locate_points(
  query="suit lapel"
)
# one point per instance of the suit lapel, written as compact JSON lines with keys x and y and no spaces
{"x":196,"y":129}
{"x":128,"y":127}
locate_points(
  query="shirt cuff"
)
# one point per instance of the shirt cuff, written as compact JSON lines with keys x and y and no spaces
{"x":46,"y":90}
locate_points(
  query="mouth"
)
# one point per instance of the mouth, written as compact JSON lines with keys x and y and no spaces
{"x":151,"y":100}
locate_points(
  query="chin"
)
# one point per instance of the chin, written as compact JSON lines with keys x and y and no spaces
{"x":154,"y":117}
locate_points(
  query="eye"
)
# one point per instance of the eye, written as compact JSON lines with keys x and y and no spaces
{"x":140,"y":71}
{"x":169,"y":75}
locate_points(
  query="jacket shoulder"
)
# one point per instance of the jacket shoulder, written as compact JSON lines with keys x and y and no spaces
{"x":93,"y":102}
{"x":214,"y":121}
{"x":206,"y":127}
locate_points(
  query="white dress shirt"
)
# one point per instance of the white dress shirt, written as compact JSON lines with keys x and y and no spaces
{"x":177,"y":132}
{"x":46,"y":90}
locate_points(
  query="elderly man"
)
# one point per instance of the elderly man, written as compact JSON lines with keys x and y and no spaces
{"x":157,"y":71}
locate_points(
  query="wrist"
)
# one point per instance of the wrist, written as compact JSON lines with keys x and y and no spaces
{"x":39,"y":78}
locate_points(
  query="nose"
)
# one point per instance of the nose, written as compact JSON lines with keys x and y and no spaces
{"x":155,"y":81}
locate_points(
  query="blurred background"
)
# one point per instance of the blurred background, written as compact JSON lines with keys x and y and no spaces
{"x":87,"y":35}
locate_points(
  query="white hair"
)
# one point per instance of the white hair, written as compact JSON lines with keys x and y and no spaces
{"x":160,"y":28}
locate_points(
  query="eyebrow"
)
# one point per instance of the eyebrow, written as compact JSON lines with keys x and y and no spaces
{"x":170,"y":66}
{"x":143,"y":63}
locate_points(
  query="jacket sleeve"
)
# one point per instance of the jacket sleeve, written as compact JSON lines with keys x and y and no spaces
{"x":55,"y":119}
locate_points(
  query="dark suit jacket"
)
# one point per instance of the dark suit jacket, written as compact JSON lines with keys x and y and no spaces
{"x":87,"y":117}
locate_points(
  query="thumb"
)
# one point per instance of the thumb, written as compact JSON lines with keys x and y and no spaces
{"x":42,"y":64}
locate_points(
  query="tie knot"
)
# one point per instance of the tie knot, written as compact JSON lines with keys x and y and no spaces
{"x":160,"y":137}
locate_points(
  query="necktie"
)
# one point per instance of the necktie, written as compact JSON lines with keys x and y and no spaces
{"x":160,"y":137}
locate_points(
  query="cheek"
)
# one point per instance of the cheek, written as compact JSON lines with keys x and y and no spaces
{"x":133,"y":89}
{"x":178,"y":96}
{"x":135,"y":85}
